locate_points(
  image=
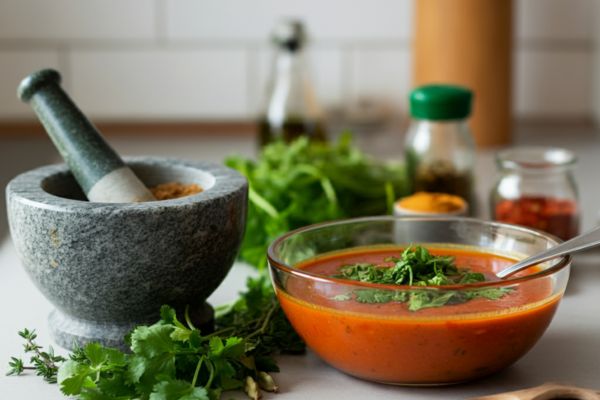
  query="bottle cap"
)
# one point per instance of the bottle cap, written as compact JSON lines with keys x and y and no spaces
{"x":440,"y":102}
{"x":290,"y":34}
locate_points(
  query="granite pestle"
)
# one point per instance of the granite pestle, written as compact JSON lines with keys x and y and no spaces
{"x":98,"y":169}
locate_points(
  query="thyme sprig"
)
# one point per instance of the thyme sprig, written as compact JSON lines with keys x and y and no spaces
{"x":44,"y":363}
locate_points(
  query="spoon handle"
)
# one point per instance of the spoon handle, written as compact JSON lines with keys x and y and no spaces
{"x":578,"y":243}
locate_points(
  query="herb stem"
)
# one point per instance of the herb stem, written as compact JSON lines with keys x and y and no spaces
{"x":231,"y":329}
{"x":220,"y":332}
{"x":28,"y":367}
{"x":197,"y":371}
{"x":265,"y":323}
{"x":188,"y":320}
{"x":211,"y":369}
{"x":262,"y":203}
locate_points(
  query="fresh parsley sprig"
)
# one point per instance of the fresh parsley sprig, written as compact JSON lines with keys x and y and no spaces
{"x":416,"y":267}
{"x":173,"y":360}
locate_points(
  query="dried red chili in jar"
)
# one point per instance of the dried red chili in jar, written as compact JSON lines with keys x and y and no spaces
{"x":537,"y":189}
{"x":556,"y":216}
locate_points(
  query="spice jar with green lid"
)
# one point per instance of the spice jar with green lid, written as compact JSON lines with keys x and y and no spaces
{"x":440,"y":149}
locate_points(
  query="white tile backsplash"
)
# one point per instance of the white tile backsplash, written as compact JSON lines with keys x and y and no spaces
{"x":554,"y":19}
{"x":381,"y":73}
{"x":324,"y":68}
{"x":253,"y":20}
{"x":77,"y":20}
{"x":553,"y":83}
{"x":15,"y":65}
{"x":160,"y":84}
{"x":179,"y":59}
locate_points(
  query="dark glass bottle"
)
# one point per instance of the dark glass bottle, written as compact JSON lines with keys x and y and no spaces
{"x":292,"y":109}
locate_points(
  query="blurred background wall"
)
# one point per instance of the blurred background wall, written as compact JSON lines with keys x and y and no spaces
{"x":163,"y":60}
{"x":162,"y":67}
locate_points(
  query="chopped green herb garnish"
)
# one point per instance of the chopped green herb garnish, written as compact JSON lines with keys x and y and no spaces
{"x":416,"y":267}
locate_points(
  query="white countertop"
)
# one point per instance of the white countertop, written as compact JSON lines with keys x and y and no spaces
{"x":569,"y":351}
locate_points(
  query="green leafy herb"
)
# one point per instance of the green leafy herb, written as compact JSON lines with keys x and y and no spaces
{"x":298,"y":184}
{"x":258,"y":317}
{"x":418,"y":267}
{"x":174,"y":360}
{"x":44,"y":363}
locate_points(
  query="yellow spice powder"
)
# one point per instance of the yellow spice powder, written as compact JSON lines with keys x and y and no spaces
{"x":174,"y":190}
{"x":432,"y":202}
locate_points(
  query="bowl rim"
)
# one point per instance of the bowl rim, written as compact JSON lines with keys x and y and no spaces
{"x":27,"y":187}
{"x":276,"y":263}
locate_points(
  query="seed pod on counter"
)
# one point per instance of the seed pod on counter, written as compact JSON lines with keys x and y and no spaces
{"x":251,"y":388}
{"x":266,"y":382}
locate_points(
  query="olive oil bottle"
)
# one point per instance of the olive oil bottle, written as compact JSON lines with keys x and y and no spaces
{"x":292,"y":109}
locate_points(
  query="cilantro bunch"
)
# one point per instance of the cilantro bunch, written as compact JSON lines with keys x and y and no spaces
{"x":301,"y":183}
{"x":416,"y":267}
{"x":173,"y":360}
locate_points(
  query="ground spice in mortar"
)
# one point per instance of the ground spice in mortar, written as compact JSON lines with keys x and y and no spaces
{"x":174,"y":190}
{"x":432,"y":203}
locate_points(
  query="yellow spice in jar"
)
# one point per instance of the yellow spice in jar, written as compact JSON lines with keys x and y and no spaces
{"x":432,"y":202}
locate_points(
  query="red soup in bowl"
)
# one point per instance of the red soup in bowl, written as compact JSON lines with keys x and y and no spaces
{"x":451,"y":326}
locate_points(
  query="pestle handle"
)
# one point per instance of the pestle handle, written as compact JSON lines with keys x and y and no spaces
{"x":98,"y":169}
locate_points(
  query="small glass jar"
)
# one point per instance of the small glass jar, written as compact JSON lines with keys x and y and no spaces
{"x":440,"y":150}
{"x":537,"y":189}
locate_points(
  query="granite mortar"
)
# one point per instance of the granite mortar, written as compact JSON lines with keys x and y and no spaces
{"x":107,"y":267}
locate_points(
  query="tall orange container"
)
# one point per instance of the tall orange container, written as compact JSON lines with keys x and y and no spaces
{"x":469,"y":42}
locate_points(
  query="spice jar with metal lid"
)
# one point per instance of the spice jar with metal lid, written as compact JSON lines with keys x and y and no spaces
{"x":536,"y":188}
{"x":440,"y":149}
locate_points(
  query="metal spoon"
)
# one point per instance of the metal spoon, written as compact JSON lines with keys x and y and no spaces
{"x":578,"y":243}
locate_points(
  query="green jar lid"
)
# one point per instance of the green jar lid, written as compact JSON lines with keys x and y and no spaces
{"x":440,"y":102}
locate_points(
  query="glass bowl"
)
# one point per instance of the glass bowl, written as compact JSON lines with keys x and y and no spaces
{"x":387,"y":338}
